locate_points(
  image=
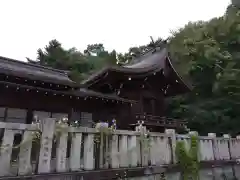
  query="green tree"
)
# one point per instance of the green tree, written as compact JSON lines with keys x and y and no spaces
{"x":54,"y":55}
{"x":188,"y":158}
{"x":208,"y":52}
{"x":79,"y":64}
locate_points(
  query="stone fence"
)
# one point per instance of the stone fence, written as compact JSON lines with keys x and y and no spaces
{"x":71,"y":149}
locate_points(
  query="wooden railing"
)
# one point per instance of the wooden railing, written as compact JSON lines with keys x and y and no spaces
{"x":160,"y":121}
{"x":90,"y":149}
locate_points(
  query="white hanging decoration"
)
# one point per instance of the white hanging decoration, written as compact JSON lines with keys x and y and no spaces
{"x":141,"y":128}
{"x":114,"y":124}
{"x":101,"y":126}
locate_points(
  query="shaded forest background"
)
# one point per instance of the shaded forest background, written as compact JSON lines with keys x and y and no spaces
{"x":206,"y":52}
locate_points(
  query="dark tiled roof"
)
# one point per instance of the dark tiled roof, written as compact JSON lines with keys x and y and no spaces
{"x":81,"y":92}
{"x":35,"y":72}
{"x":153,"y":61}
{"x":88,"y":92}
{"x":149,"y":61}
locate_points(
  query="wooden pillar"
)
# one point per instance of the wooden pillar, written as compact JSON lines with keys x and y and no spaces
{"x":153,"y":106}
{"x":29,"y":118}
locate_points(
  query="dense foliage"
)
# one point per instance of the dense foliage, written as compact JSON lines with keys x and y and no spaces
{"x":207,"y":52}
{"x":80,"y":64}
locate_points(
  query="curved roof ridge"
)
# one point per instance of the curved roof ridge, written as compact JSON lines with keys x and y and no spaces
{"x":33,"y":65}
{"x":155,"y":47}
{"x":151,"y":61}
{"x":179,"y":76}
{"x":148,"y":59}
{"x":34,"y":72}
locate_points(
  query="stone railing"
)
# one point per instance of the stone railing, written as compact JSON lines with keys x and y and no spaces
{"x":83,"y":148}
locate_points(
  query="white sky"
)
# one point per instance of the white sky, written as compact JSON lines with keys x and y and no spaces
{"x":27,"y":25}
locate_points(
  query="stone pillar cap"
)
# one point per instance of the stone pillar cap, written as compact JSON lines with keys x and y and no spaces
{"x":212,"y":134}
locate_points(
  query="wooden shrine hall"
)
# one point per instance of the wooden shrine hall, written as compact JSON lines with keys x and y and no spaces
{"x":148,"y":81}
{"x":129,"y":94}
{"x":31,"y":91}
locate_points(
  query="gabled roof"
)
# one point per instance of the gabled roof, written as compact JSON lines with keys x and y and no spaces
{"x":148,"y":63}
{"x":154,"y":61}
{"x":36,"y":72}
{"x":31,"y":71}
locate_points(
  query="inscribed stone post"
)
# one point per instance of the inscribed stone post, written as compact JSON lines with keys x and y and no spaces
{"x":46,"y":145}
{"x":171,"y":133}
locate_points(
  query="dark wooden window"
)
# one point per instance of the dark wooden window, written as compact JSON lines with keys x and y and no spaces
{"x":59,"y":115}
{"x":15,"y":115}
{"x":43,"y":114}
{"x":2,"y":114}
{"x":75,"y":116}
{"x":149,"y":106}
{"x":86,"y":119}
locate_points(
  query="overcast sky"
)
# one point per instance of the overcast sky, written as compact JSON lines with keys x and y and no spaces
{"x":27,"y":25}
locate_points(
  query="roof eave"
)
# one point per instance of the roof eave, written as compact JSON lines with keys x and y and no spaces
{"x":188,"y":87}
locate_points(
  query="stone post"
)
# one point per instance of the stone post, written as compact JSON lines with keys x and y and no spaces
{"x":214,"y":145}
{"x":172,"y":135}
{"x":237,"y":146}
{"x":212,"y":135}
{"x":195,"y":133}
{"x":44,"y":165}
{"x":228,"y":137}
{"x":61,"y":159}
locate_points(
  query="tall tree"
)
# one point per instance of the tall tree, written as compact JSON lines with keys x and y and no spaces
{"x":208,"y":53}
{"x":79,"y":64}
{"x":54,"y":55}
